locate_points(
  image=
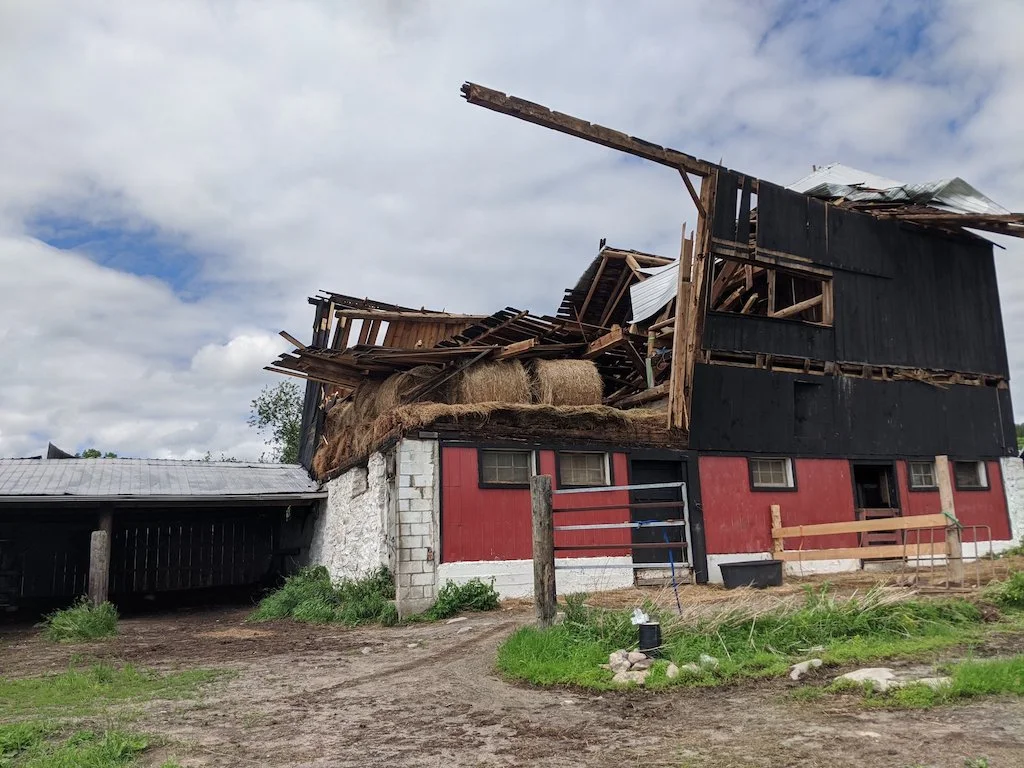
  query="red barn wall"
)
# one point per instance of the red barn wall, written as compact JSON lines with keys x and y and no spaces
{"x":738,"y":519}
{"x":494,"y":523}
{"x":981,"y":507}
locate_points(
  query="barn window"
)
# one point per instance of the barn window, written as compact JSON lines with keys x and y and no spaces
{"x":970,"y":475}
{"x":922,"y":475}
{"x":583,"y":469}
{"x":505,"y":467}
{"x":772,"y":474}
{"x":762,"y":289}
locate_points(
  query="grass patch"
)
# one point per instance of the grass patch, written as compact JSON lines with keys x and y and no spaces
{"x":452,"y":598}
{"x":764,"y":645}
{"x":33,"y":745}
{"x":311,"y":596}
{"x":1009,"y":593}
{"x":81,"y":622}
{"x":85,"y":691}
{"x":969,"y":679}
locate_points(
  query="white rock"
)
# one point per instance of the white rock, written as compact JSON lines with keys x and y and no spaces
{"x":868,"y":734}
{"x":691,"y":668}
{"x":672,"y":672}
{"x":708,"y":661}
{"x":635,"y":656}
{"x":410,"y":646}
{"x":799,"y":670}
{"x":625,"y":678}
{"x":456,"y":620}
{"x":462,"y":630}
{"x":365,"y":650}
{"x":618,"y":661}
{"x":812,"y":649}
{"x":881,"y":678}
{"x":641,"y":665}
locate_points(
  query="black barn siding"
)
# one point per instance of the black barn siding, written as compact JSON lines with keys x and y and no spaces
{"x":748,"y":410}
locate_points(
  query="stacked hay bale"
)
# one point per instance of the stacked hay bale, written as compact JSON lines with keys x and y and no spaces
{"x":502,"y":382}
{"x":566,"y":382}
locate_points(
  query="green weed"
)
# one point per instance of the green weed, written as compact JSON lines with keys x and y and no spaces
{"x":745,"y":645}
{"x":82,"y":622}
{"x":968,"y":679}
{"x":81,"y":749}
{"x":311,"y":596}
{"x":84,"y":691}
{"x":452,"y":598}
{"x":1009,"y":593}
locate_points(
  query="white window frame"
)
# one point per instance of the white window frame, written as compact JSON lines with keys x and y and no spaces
{"x":531,"y":459}
{"x":981,"y":474}
{"x":934,"y":485}
{"x":606,"y":479}
{"x":789,"y":482}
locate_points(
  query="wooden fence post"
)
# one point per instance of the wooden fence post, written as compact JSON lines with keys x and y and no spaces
{"x":99,"y":567}
{"x":954,"y":549}
{"x":777,"y":544}
{"x":543,"y":550}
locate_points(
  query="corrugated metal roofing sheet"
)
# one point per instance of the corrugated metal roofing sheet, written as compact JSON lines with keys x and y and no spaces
{"x":647,"y":298}
{"x":150,"y":478}
{"x":838,"y":180}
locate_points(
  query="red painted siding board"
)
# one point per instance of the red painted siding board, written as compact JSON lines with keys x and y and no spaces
{"x":986,"y":507}
{"x":738,"y":519}
{"x":494,"y":523}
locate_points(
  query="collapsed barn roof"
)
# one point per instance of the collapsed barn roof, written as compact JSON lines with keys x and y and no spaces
{"x":637,"y":316}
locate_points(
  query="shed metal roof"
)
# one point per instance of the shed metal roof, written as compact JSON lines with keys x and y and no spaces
{"x":152,"y":480}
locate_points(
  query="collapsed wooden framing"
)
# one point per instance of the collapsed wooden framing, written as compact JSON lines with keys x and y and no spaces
{"x":720,"y":268}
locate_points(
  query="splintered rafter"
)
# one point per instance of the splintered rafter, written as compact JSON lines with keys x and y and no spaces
{"x":607,"y":137}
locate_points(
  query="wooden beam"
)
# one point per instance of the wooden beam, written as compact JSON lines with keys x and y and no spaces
{"x":731,"y":299}
{"x":796,"y":309}
{"x":749,"y":303}
{"x":676,"y":398}
{"x":910,"y":522}
{"x":602,"y":344}
{"x":693,"y":193}
{"x":777,"y":544}
{"x":291,"y":340}
{"x":581,"y":129}
{"x":593,"y":286}
{"x":411,"y":315}
{"x":99,"y":567}
{"x":621,"y":288}
{"x":634,"y":265}
{"x":944,"y":480}
{"x":516,"y":349}
{"x":654,"y":393}
{"x":864,"y":553}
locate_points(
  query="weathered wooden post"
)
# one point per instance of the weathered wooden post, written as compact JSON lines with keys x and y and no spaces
{"x":778,"y":545}
{"x":544,"y":598}
{"x":954,"y":548}
{"x":99,"y":567}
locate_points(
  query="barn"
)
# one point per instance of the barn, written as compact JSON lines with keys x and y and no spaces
{"x":819,"y":349}
{"x":175,"y":530}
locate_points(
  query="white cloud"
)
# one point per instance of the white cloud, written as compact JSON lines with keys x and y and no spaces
{"x":299,"y":146}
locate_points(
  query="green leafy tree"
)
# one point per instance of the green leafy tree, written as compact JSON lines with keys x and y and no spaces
{"x":277,"y":414}
{"x":95,"y":453}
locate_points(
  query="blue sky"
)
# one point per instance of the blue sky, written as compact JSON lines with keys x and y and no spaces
{"x":181,"y":175}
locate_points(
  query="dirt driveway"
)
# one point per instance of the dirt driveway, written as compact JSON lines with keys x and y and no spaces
{"x":427,"y":695}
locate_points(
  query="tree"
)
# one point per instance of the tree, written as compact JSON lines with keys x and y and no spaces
{"x":95,"y":453}
{"x":277,"y":414}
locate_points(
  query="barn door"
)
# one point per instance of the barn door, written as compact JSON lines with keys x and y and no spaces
{"x":674,"y":540}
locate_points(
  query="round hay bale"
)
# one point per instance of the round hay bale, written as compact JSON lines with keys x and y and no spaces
{"x":567,"y":382}
{"x":393,"y":391}
{"x":504,"y":382}
{"x":364,"y":400}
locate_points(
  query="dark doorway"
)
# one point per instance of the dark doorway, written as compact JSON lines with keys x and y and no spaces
{"x":876,"y":497}
{"x":648,"y":472}
{"x":874,"y":486}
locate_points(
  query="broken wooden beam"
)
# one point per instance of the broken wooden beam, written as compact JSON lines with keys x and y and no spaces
{"x":796,"y":309}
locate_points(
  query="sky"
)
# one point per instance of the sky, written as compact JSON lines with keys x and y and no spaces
{"x":178,"y":177}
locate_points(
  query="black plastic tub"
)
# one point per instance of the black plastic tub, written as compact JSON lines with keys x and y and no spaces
{"x":752,"y":573}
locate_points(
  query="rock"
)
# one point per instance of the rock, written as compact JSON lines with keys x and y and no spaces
{"x":625,"y":678}
{"x":934,"y":682}
{"x":635,"y":656}
{"x":462,"y":630}
{"x":868,"y":734}
{"x":365,"y":650}
{"x":605,"y":666}
{"x":881,"y":678}
{"x":708,"y":661}
{"x":672,"y":672}
{"x":456,"y":620}
{"x":641,"y":665}
{"x":813,"y":649}
{"x":799,"y":670}
{"x":410,"y":646}
{"x":692,"y":668}
{"x":618,"y":661}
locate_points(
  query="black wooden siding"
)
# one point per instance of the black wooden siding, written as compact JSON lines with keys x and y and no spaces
{"x":903,"y":296}
{"x":749,"y":410}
